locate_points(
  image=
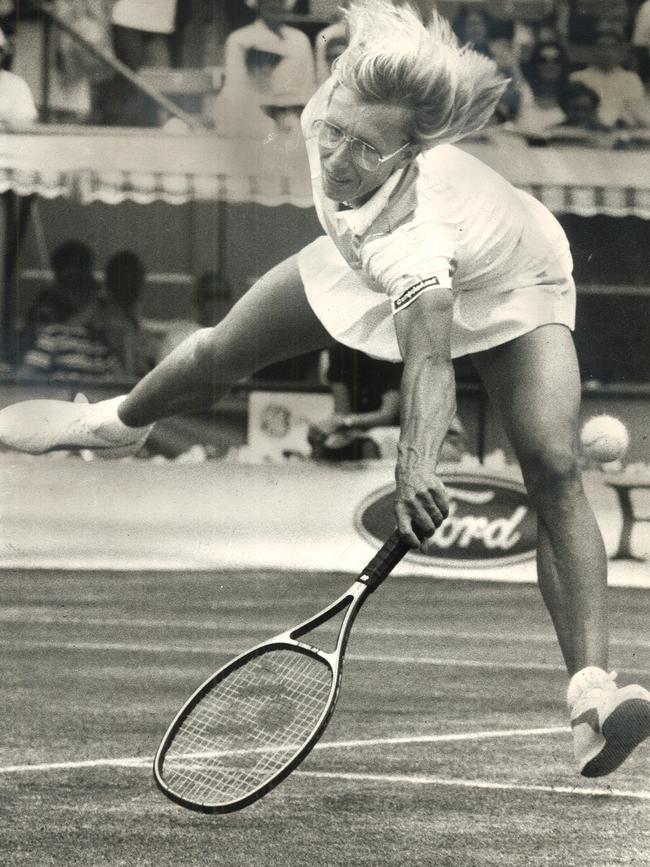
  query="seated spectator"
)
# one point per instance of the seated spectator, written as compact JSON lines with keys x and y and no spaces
{"x":212,"y":301}
{"x":329,"y":43}
{"x":580,"y":105}
{"x":366,"y":396}
{"x":365,"y":422}
{"x":641,"y":40}
{"x":116,"y":311}
{"x":17,"y":108}
{"x":8,"y":21}
{"x":143,"y":33}
{"x":581,"y":124}
{"x":546,"y":75}
{"x":70,"y":343}
{"x":262,"y":61}
{"x":545,"y":21}
{"x":75,"y":72}
{"x":73,"y":288}
{"x":475,"y":26}
{"x":623,"y":102}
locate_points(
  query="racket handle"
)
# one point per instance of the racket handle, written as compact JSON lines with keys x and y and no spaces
{"x":385,"y":560}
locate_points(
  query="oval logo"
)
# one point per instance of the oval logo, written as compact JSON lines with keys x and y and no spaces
{"x":490,"y":523}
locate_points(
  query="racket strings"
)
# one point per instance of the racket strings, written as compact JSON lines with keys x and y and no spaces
{"x":248,"y":727}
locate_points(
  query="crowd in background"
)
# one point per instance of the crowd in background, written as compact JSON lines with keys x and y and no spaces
{"x":578,"y":69}
{"x":82,"y":328}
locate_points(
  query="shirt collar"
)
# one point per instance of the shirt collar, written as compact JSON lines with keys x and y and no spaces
{"x":358,"y":220}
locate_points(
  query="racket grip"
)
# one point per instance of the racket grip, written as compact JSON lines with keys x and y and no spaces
{"x":385,"y":560}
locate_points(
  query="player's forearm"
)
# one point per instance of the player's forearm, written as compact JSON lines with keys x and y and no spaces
{"x":428,"y":405}
{"x":185,"y":381}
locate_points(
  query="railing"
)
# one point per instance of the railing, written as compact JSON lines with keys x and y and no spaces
{"x":51,"y":18}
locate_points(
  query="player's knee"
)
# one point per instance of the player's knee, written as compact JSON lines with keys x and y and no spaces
{"x":551,"y":473}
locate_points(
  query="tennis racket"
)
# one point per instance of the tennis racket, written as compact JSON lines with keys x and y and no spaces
{"x":253,"y":721}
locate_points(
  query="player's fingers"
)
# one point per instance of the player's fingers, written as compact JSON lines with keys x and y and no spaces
{"x":427,"y":502}
{"x":442,"y":500}
{"x":405,"y":527}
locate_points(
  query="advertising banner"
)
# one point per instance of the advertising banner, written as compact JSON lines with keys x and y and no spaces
{"x":297,"y":515}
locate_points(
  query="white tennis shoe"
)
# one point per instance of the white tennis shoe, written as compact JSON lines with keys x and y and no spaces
{"x":39,"y":426}
{"x":608,"y":723}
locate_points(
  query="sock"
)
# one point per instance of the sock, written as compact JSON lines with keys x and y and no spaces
{"x":103,"y":419}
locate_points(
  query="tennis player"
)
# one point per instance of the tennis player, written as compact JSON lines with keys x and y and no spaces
{"x":428,"y":255}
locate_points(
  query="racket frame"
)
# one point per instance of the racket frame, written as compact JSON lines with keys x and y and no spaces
{"x":373,"y":575}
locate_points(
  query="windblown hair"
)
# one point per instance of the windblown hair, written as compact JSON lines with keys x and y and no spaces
{"x":393,"y":57}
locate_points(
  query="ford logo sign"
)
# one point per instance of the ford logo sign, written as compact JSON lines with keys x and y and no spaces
{"x":490,"y":523}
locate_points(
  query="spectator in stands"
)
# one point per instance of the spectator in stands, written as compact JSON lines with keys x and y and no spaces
{"x":365,"y":422}
{"x":74,"y":285}
{"x":212,"y":301}
{"x":546,"y":75}
{"x":580,"y":105}
{"x":623,"y":102}
{"x":8,"y":19}
{"x":580,"y":125}
{"x":329,"y":43}
{"x":75,"y":72}
{"x":366,"y":396}
{"x":17,"y":108}
{"x":549,"y":23}
{"x":475,"y":26}
{"x":641,"y":40}
{"x":116,"y":312}
{"x":69,"y":342}
{"x":263,"y":61}
{"x":143,"y":31}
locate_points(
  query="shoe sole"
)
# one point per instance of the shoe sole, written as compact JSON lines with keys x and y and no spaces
{"x":624,"y":729}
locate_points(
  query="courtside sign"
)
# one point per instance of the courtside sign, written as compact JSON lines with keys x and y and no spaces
{"x":491,"y":523}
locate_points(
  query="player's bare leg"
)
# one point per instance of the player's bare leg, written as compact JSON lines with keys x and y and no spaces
{"x":272,"y":322}
{"x":534,"y":383}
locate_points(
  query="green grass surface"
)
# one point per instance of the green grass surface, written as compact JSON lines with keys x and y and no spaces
{"x":94,"y":666}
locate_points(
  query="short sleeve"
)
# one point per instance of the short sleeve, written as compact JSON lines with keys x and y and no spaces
{"x":416,"y":257}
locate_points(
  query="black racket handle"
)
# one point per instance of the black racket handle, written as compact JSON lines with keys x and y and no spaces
{"x":385,"y":560}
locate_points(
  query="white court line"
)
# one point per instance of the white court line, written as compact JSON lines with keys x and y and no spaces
{"x":587,"y":791}
{"x":17,"y":615}
{"x":145,"y":762}
{"x":139,"y":761}
{"x":129,"y":647}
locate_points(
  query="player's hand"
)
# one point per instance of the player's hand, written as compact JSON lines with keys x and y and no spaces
{"x":320,"y":430}
{"x":421,"y":505}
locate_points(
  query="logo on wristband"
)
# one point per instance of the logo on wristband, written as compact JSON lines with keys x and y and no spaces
{"x":414,"y":292}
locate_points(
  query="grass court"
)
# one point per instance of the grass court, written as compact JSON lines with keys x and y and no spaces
{"x":449,"y":746}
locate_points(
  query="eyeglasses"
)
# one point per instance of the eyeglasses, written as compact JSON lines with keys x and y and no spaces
{"x":366,"y":157}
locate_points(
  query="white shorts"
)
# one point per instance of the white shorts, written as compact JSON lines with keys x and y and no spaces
{"x":361,"y":318}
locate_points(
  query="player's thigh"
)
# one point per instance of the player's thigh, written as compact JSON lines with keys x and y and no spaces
{"x":273,"y":321}
{"x":534,"y":384}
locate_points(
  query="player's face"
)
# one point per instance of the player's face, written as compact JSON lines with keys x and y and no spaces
{"x":384,"y":127}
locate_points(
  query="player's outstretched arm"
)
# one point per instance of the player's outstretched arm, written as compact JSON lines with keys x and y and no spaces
{"x":428,"y":405}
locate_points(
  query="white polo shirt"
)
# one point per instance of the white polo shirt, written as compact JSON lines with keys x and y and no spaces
{"x":446,"y":220}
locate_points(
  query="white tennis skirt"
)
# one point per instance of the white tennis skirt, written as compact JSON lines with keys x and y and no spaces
{"x":361,"y":318}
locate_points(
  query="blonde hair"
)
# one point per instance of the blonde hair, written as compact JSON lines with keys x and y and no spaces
{"x":393,"y":57}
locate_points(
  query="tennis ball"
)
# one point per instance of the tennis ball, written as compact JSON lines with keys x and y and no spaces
{"x":604,"y":438}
